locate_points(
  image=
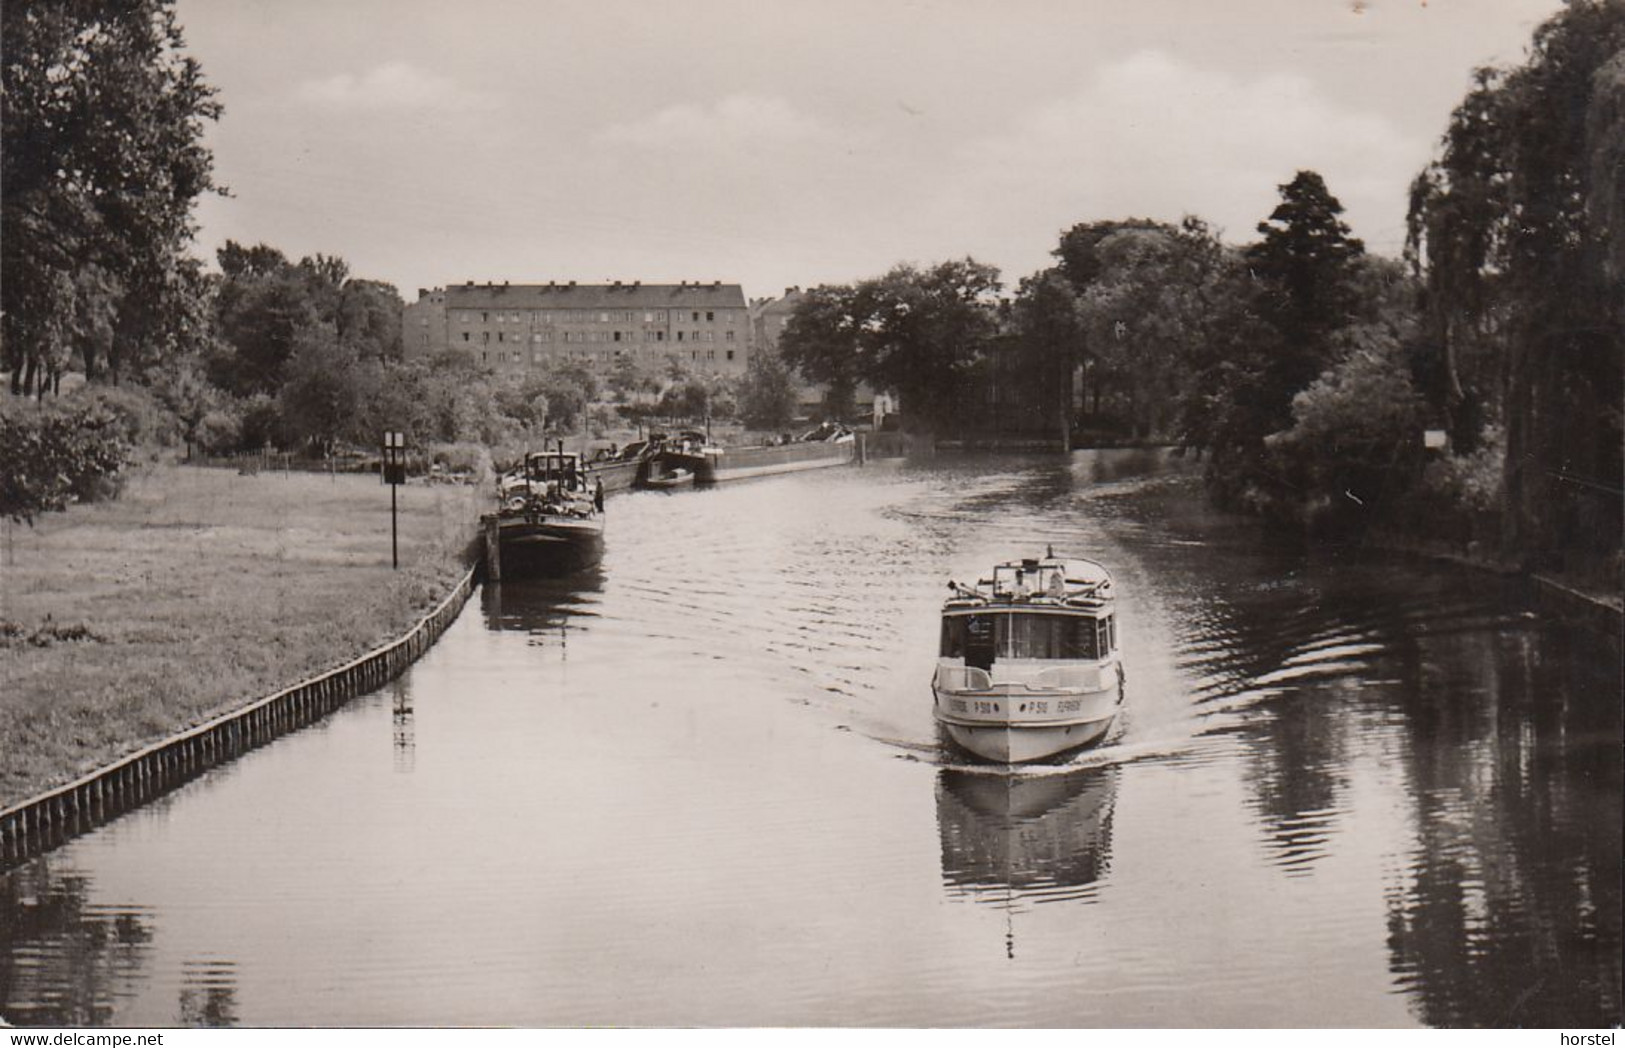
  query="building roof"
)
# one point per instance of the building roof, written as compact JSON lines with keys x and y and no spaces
{"x":786,"y":303}
{"x":595,"y":296}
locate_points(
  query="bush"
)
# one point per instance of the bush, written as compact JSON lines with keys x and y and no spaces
{"x":139,"y":418}
{"x":218,"y":432}
{"x":472,"y":459}
{"x":52,"y":457}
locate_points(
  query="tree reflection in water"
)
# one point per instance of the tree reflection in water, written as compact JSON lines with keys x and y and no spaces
{"x":208,"y":994}
{"x":1507,"y":912}
{"x":63,"y":960}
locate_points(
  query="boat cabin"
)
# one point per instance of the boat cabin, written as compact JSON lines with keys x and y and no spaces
{"x":1032,"y":610}
{"x":564,"y":468}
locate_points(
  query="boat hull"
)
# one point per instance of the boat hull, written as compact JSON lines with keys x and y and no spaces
{"x":715,"y":467}
{"x":549,"y":545}
{"x":1018,"y":744}
{"x":618,"y":476}
{"x":1012,"y":724}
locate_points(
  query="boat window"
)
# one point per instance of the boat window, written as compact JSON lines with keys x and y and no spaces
{"x":953,"y":637}
{"x":1104,"y":632}
{"x":1024,"y":636}
{"x":1081,"y":640}
{"x":1111,"y":623}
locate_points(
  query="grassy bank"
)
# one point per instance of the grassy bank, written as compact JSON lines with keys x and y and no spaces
{"x":196,"y":592}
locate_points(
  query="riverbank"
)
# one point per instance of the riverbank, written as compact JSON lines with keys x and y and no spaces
{"x":195,"y":593}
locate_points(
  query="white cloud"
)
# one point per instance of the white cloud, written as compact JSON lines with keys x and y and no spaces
{"x":1154,"y":138}
{"x":394,"y":86}
{"x":735,"y":122}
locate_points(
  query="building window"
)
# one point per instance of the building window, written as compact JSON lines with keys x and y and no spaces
{"x":710,"y":354}
{"x":679,"y":336}
{"x":603,"y":318}
{"x":648,"y":318}
{"x":660,"y":336}
{"x":499,"y":336}
{"x":485,"y":336}
{"x":617,"y":336}
{"x":696,"y":317}
{"x":730,"y":354}
{"x":631,"y":317}
{"x":710,"y":316}
{"x":465,"y":336}
{"x":484,"y":317}
{"x":517,"y":357}
{"x":661,"y":316}
{"x":728,"y":337}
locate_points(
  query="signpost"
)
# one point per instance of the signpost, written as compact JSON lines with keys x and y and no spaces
{"x":394,"y":476}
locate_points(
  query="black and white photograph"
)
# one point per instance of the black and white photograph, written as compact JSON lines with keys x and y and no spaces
{"x":811,"y":515}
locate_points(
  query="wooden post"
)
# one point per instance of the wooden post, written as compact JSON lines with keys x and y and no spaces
{"x":863,"y":455}
{"x":493,"y":550}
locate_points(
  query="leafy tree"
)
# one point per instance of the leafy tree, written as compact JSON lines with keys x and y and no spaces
{"x":183,"y":389}
{"x":1048,"y":337}
{"x":1145,"y":312}
{"x":820,"y":341}
{"x":630,"y":376}
{"x":103,"y":122}
{"x":1352,"y":450}
{"x":924,"y":333}
{"x":326,"y":388}
{"x":691,"y":399}
{"x":260,"y":316}
{"x":767,"y":396}
{"x":1510,"y":234}
{"x":368,"y":317}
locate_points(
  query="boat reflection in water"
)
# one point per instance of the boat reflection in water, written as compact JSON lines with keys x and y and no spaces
{"x":1039,"y":837}
{"x":539,"y":605}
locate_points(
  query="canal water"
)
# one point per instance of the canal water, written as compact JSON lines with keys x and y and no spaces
{"x":702,"y":786}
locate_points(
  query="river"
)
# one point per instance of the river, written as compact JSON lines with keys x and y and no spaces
{"x":701,"y":786}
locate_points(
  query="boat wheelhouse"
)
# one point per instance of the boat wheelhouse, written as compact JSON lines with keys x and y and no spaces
{"x":1028,"y":666}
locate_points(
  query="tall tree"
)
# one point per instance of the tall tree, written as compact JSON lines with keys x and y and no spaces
{"x":1521,"y":160}
{"x":821,"y":342}
{"x":924,"y":333}
{"x":1304,"y":264}
{"x":103,"y":124}
{"x":768,"y":393}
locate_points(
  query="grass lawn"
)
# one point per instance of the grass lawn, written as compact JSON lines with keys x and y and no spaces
{"x":201,"y":590}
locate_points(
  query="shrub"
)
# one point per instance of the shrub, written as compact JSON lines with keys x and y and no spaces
{"x":53,"y":457}
{"x":139,"y":418}
{"x":218,"y":431}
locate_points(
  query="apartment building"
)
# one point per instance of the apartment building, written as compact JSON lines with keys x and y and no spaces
{"x":515,"y":328}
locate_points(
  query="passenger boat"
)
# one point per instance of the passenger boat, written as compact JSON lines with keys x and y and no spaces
{"x":829,"y":445}
{"x":1028,"y":666}
{"x":550,"y":515}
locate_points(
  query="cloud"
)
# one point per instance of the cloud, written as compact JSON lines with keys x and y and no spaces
{"x":1154,"y":138}
{"x":394,"y":86}
{"x":735,"y":122}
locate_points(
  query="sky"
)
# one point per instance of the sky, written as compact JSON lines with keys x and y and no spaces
{"x":773,"y":143}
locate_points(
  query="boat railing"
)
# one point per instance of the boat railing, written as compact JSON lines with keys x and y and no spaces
{"x":963,"y":678}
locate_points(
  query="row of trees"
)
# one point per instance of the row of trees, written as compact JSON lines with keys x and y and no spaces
{"x":1305,"y":369}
